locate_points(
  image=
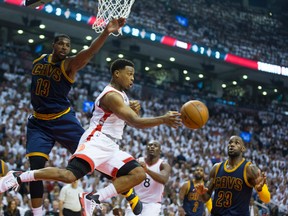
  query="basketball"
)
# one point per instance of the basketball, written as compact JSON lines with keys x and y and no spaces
{"x":194,"y":114}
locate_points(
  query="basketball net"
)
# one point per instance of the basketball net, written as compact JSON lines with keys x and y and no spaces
{"x":111,"y":9}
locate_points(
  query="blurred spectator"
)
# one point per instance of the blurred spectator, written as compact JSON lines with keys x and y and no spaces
{"x":68,"y":200}
{"x":12,"y":209}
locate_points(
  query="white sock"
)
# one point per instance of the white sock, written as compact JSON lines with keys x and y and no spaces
{"x":27,"y":177}
{"x":37,"y":211}
{"x":107,"y":192}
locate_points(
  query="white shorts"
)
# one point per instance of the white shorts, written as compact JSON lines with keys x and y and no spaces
{"x":102,"y":153}
{"x":149,"y":209}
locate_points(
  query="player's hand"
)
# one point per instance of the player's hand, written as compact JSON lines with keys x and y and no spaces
{"x":200,"y":189}
{"x":260,"y":181}
{"x":115,"y":24}
{"x":172,"y":119}
{"x":135,"y":105}
{"x":143,"y":165}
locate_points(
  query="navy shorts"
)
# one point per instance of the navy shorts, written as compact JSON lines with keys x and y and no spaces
{"x":42,"y":134}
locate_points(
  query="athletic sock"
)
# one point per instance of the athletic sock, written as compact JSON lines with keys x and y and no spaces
{"x":27,"y":176}
{"x":37,"y":211}
{"x":107,"y":192}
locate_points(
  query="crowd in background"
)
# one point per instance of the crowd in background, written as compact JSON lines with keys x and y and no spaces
{"x":220,"y":24}
{"x":182,"y":148}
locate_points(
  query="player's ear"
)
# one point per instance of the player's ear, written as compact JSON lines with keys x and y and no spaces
{"x":243,"y":149}
{"x":116,"y":73}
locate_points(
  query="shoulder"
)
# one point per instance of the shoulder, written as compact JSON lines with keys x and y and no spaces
{"x":164,"y":165}
{"x":185,"y":184}
{"x":215,"y":169}
{"x":252,"y":170}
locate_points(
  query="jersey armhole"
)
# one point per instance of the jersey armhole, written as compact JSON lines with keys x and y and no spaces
{"x":245,"y":175}
{"x":217,"y":169}
{"x":65,"y":74}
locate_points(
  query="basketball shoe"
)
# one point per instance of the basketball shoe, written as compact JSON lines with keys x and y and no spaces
{"x":88,"y":203}
{"x":134,"y":201}
{"x":10,"y":181}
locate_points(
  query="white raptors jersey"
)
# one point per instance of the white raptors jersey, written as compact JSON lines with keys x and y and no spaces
{"x":150,"y":191}
{"x":107,"y":122}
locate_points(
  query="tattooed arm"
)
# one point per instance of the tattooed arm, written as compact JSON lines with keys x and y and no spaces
{"x":257,"y":179}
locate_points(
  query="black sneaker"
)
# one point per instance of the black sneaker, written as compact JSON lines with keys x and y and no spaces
{"x":88,"y":202}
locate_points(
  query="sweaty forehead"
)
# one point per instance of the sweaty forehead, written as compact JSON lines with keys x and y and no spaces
{"x":63,"y":39}
{"x":199,"y":168}
{"x":236,"y":139}
{"x":154,"y":143}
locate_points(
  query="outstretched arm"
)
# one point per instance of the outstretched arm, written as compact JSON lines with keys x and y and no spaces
{"x":258,"y":180}
{"x":77,"y":62}
{"x":113,"y":102}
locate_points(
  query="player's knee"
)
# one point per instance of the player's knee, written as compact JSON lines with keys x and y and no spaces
{"x":68,"y":177}
{"x":37,"y":162}
{"x":139,"y":175}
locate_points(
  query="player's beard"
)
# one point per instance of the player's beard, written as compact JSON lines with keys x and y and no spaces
{"x":198,"y":177}
{"x":234,"y":154}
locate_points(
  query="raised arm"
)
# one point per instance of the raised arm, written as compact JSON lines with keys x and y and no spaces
{"x":257,"y":179}
{"x":77,"y":62}
{"x":163,"y":176}
{"x":113,"y":102}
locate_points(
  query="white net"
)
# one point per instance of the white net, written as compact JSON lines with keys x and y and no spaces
{"x":109,"y":9}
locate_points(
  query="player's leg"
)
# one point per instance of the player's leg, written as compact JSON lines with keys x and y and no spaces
{"x":77,"y":168}
{"x":41,"y":136}
{"x":36,"y":187}
{"x":39,"y":145}
{"x":127,"y":173}
{"x":67,"y":130}
{"x":121,"y":166}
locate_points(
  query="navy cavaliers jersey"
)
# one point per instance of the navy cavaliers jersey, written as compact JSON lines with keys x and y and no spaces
{"x":232,"y":191}
{"x":191,"y":204}
{"x":50,"y":87}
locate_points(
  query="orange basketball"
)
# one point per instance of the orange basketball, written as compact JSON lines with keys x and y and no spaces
{"x":194,"y":114}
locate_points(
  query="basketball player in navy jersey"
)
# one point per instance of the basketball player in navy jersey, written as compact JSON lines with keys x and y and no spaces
{"x":150,"y":191}
{"x":189,"y":199}
{"x":53,"y":118}
{"x":98,"y":148}
{"x":232,"y":182}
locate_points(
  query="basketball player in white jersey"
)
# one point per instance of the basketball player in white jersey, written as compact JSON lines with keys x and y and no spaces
{"x":98,"y":149}
{"x":150,"y":191}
